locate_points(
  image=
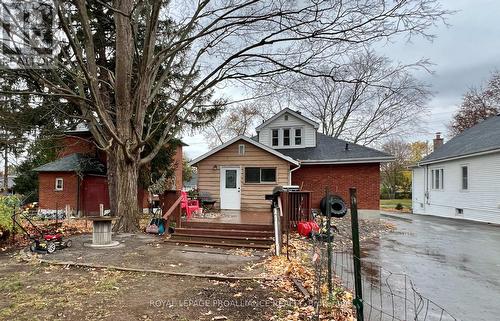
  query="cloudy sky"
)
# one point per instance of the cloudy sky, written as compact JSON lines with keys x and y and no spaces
{"x":464,"y":54}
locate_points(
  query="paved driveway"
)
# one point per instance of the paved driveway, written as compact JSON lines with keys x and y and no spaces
{"x":455,"y":263}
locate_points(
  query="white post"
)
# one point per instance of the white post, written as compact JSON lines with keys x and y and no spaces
{"x":277,"y":213}
{"x":67,"y":211}
{"x":101,"y":209}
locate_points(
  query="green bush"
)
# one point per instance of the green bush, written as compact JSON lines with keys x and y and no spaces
{"x":399,"y":206}
{"x":8,"y":205}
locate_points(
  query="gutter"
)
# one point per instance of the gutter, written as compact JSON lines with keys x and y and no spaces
{"x":348,"y":161}
{"x":445,"y":159}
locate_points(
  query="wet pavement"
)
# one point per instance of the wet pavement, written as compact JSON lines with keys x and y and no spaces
{"x":454,"y":263}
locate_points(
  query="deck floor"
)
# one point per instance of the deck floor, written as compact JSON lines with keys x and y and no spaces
{"x":237,"y":217}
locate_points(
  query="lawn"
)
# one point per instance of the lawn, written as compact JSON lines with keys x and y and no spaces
{"x":391,"y":204}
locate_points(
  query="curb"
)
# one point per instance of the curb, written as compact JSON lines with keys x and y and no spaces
{"x":397,"y":217}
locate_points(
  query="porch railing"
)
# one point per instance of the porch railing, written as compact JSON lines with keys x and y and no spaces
{"x":296,"y":206}
{"x":170,"y":206}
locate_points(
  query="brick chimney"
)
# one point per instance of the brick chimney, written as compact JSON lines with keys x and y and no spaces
{"x":438,"y":141}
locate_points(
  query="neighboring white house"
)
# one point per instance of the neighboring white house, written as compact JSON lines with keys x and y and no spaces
{"x":461,"y":179}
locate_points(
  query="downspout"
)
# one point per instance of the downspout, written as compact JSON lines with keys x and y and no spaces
{"x":78,"y":195}
{"x":290,"y":174}
{"x":426,"y":195}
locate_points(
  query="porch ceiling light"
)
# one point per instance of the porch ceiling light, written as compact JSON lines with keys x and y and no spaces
{"x":215,"y":167}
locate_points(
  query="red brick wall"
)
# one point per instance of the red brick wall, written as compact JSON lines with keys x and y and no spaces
{"x":339,"y":178}
{"x":83,"y":145}
{"x":77,"y":144}
{"x":51,"y":199}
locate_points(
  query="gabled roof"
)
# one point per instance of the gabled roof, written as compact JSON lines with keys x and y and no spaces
{"x":330,"y":150}
{"x":248,"y":140}
{"x":293,"y":113}
{"x":482,"y":138}
{"x":74,"y":163}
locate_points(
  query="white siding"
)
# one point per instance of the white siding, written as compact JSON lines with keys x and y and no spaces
{"x":418,"y":194}
{"x":308,"y":132}
{"x":481,"y":202}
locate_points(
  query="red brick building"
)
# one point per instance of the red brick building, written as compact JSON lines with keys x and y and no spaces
{"x":339,"y":178}
{"x":77,"y":183}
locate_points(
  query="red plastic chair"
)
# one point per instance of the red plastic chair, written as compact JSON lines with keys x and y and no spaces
{"x":188,"y":205}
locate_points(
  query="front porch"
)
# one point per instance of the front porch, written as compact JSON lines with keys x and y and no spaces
{"x":234,"y":228}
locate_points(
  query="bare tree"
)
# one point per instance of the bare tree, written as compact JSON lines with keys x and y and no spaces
{"x":367,"y":99}
{"x":477,"y":105}
{"x":393,"y":173}
{"x":140,"y":70}
{"x":240,"y":120}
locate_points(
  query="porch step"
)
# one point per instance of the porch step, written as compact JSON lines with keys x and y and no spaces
{"x":222,"y":239}
{"x":227,"y":226}
{"x":224,"y":235}
{"x":219,"y":244}
{"x":222,"y":232}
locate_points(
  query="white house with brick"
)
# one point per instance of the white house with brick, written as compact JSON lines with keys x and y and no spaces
{"x":461,"y":179}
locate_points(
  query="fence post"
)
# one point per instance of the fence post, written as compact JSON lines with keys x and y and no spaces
{"x":329,"y":243}
{"x":358,"y":300}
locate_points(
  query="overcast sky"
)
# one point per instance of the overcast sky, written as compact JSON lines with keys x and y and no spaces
{"x":464,"y":54}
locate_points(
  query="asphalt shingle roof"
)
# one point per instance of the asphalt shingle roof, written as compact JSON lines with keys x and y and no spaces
{"x":74,"y":163}
{"x":483,"y":137}
{"x":334,"y":149}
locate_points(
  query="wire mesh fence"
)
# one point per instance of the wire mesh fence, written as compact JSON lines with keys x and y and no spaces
{"x":387,"y":295}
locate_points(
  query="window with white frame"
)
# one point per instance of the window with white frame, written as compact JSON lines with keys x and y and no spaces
{"x":241,"y":149}
{"x":286,"y":137}
{"x":275,"y":137}
{"x":465,"y":177}
{"x":298,"y":136}
{"x":437,"y":178}
{"x":59,"y":184}
{"x":293,"y":136}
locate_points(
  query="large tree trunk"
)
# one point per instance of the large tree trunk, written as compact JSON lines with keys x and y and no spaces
{"x":125,"y":179}
{"x":126,"y":165}
{"x":111,"y":172}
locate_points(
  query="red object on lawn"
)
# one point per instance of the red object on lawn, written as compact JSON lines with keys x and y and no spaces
{"x":305,"y":228}
{"x":188,"y":205}
{"x":52,"y":237}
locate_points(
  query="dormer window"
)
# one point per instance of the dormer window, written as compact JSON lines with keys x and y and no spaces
{"x":298,"y":136}
{"x":286,"y":137}
{"x":275,"y":137}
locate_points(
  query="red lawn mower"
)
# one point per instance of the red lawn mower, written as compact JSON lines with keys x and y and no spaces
{"x":44,"y":240}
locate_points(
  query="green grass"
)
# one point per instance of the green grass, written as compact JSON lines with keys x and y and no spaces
{"x":392,"y":203}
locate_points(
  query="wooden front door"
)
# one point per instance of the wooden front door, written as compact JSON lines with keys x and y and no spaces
{"x":230,"y":188}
